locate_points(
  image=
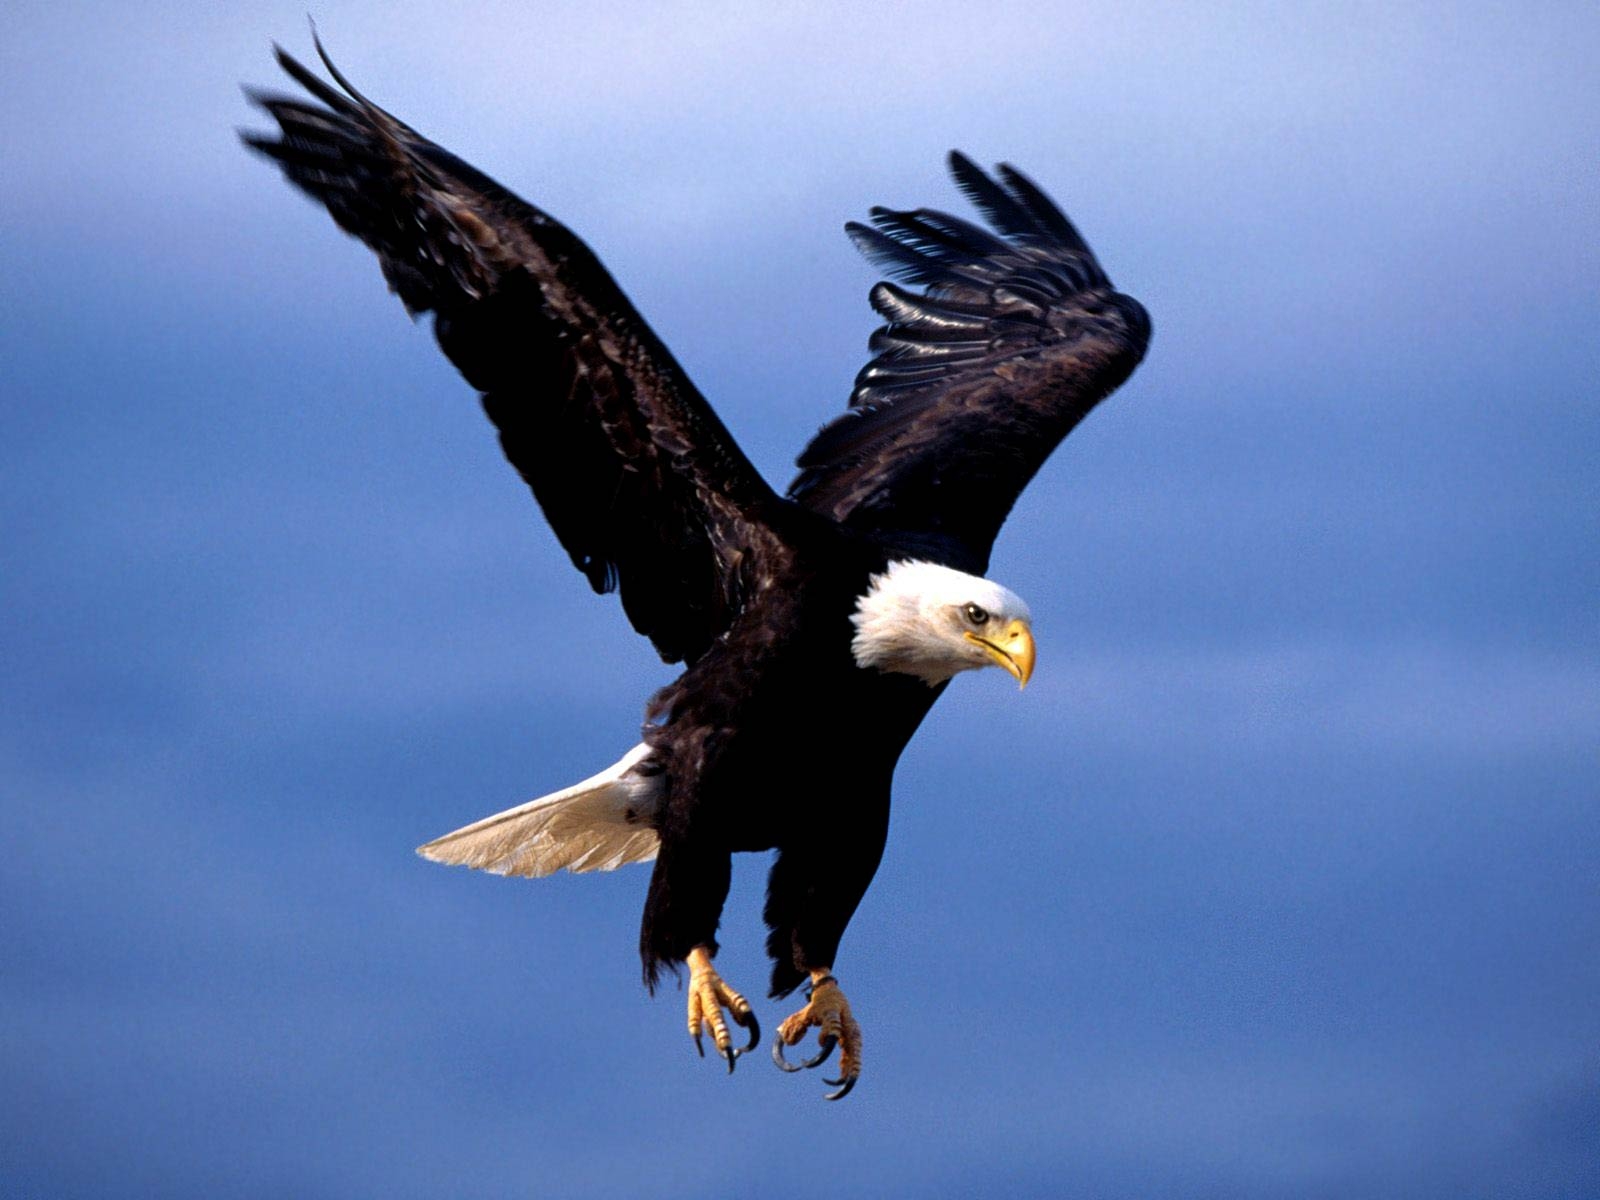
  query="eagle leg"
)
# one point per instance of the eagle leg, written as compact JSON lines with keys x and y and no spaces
{"x":829,"y":1011}
{"x":709,"y":994}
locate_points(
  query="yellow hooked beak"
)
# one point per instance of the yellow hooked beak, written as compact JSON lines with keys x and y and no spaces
{"x":1013,"y":650}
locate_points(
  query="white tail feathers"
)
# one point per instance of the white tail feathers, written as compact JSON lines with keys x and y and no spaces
{"x":596,"y":825}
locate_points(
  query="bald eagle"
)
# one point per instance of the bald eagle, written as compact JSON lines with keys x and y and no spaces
{"x":833,"y":615}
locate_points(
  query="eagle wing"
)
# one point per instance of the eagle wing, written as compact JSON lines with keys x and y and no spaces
{"x":645,"y":488}
{"x":1016,"y":336}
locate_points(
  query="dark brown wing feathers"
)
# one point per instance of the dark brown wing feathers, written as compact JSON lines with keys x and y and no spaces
{"x":1016,"y":335}
{"x":643,"y":485}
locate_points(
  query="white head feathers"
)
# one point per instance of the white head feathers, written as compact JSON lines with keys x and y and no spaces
{"x":921,"y":619}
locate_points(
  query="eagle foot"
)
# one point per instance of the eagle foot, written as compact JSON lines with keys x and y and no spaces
{"x":709,"y":994}
{"x":829,"y":1011}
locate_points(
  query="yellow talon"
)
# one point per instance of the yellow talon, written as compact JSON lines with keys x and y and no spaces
{"x":829,"y":1012}
{"x":709,"y":994}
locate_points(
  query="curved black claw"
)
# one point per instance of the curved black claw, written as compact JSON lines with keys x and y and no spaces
{"x":748,"y":1020}
{"x":755,"y":1031}
{"x":779,"y":1060}
{"x":828,"y":1044}
{"x":842,"y":1092}
{"x":732,"y":1052}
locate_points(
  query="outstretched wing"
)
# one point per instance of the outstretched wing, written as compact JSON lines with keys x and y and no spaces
{"x":646,"y":489}
{"x":1016,"y":336}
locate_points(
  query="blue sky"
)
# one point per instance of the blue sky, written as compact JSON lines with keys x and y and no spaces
{"x":1278,"y":880}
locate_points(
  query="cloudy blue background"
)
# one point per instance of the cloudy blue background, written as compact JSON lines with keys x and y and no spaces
{"x":1280,"y":879}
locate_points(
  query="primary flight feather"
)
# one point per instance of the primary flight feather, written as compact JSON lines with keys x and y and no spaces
{"x":816,"y":628}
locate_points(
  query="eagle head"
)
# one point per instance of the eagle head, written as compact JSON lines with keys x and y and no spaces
{"x":919,"y":618}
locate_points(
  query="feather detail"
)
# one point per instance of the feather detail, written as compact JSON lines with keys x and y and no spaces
{"x":597,"y":825}
{"x":1016,"y":335}
{"x":645,"y":488}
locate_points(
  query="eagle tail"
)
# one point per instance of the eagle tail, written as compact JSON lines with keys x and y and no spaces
{"x":596,"y":825}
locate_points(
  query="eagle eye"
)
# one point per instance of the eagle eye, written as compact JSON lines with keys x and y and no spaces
{"x":976,"y":615}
